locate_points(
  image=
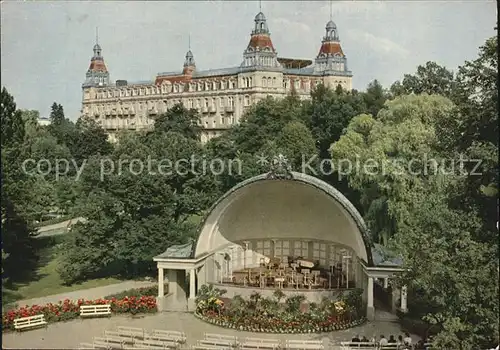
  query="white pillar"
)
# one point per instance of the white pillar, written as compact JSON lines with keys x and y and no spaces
{"x":369,"y":290}
{"x":161,"y":283}
{"x":192,"y":284}
{"x":386,"y":282}
{"x":404,"y":304}
{"x":370,"y":309}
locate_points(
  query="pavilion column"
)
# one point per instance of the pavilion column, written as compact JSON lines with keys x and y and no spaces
{"x":370,"y":309}
{"x":404,"y":302}
{"x":192,"y":290}
{"x":192,"y":283}
{"x":386,"y":282}
{"x":161,"y":283}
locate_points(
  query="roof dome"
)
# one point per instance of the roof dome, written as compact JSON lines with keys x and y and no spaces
{"x":331,"y":25}
{"x":260,"y":17}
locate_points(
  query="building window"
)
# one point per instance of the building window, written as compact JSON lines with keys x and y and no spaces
{"x":281,"y":248}
{"x":246,"y":101}
{"x":213,"y":123}
{"x":319,"y":253}
{"x":263,"y":248}
{"x":300,"y":249}
{"x":274,"y":82}
{"x":222,"y":120}
{"x":264,"y":82}
{"x":206,"y":103}
{"x":231,"y":101}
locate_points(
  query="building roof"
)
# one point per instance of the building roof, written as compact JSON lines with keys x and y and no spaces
{"x":383,"y":256}
{"x":178,"y":251}
{"x":294,"y":62}
{"x":261,"y":41}
{"x":331,"y":48}
{"x":97,"y":65}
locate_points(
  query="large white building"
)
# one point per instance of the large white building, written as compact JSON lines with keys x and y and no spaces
{"x":220,"y":95}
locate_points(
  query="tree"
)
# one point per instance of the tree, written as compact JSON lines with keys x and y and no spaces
{"x":16,"y":190}
{"x":452,"y":270}
{"x":431,"y":79}
{"x":60,"y":127}
{"x":140,"y":208}
{"x":407,"y":184}
{"x":374,"y":97}
{"x":329,"y":113}
{"x":295,"y":141}
{"x":89,"y":139}
{"x":476,"y":135}
{"x":12,"y":122}
{"x":180,"y":120}
{"x":394,"y":151}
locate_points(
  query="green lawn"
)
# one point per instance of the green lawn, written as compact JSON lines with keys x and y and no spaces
{"x":48,"y":281}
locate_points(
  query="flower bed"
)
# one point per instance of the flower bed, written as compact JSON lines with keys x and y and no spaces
{"x":258,"y":314}
{"x":277,"y":325}
{"x":70,"y":309}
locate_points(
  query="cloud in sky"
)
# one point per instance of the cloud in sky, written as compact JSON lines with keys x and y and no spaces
{"x":46,"y":46}
{"x":379,"y":45}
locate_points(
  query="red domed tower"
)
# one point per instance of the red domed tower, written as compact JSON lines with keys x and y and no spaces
{"x":260,"y":51}
{"x":331,"y":60}
{"x":189,"y":64}
{"x":97,"y":74}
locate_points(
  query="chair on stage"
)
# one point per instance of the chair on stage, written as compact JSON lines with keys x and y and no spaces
{"x":279,"y":281}
{"x":316,"y":274}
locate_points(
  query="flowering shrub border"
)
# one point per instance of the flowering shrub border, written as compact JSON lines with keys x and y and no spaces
{"x":70,"y":309}
{"x":270,"y":315}
{"x":294,"y":327}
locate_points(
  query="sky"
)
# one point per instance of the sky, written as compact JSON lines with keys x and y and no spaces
{"x":46,"y":46}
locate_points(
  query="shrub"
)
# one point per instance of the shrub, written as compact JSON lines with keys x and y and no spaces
{"x":70,"y":309}
{"x":136,"y":292}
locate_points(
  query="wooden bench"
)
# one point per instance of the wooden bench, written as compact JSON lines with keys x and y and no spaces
{"x":209,"y":347}
{"x":95,"y":310}
{"x":347,"y":345}
{"x":131,"y":332}
{"x":86,"y":346}
{"x":29,"y":322}
{"x":125,"y":338}
{"x":100,"y":343}
{"x":109,"y":342}
{"x":221,"y":337}
{"x":139,"y":344}
{"x":389,"y":347}
{"x":160,"y":334}
{"x":216,"y":342}
{"x":305,"y":344}
{"x":259,"y":343}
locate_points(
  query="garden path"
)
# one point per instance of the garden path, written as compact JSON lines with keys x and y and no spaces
{"x":91,"y":293}
{"x":70,"y":334}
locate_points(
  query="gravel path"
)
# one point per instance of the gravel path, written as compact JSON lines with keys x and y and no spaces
{"x":57,"y":229}
{"x":91,"y":293}
{"x":70,"y":334}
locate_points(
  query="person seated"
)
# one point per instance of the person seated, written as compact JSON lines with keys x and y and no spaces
{"x":420,"y":345}
{"x":365,"y":340}
{"x":383,"y":341}
{"x":392,"y":340}
{"x":355,"y":339}
{"x":400,"y":340}
{"x":407,"y":339}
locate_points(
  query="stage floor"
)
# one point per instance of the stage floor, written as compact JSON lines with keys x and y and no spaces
{"x":312,"y":295}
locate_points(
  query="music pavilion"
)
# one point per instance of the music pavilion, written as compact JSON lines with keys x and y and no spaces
{"x":283,"y":230}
